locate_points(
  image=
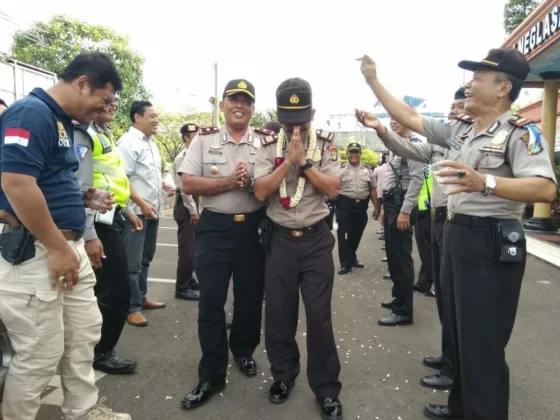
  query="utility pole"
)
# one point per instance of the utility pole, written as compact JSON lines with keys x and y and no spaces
{"x":215,"y":104}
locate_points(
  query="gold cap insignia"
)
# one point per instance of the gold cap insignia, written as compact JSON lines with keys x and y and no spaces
{"x":242,"y":85}
{"x":192,"y":128}
{"x":294,"y":99}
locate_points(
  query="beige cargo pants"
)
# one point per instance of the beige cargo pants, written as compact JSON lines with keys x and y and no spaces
{"x":49,"y":329}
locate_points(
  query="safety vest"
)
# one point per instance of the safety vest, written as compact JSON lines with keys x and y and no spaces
{"x":425,"y":195}
{"x":108,"y":168}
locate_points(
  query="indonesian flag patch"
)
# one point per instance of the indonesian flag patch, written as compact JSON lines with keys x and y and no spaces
{"x":17,"y":136}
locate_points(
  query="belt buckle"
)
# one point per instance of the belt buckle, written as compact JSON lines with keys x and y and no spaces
{"x":297,"y":233}
{"x":357,"y":200}
{"x":433,"y":213}
{"x":239,"y":218}
{"x":449,"y":216}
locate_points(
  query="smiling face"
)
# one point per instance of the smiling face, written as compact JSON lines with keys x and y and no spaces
{"x":148,"y":122}
{"x":485,"y":91}
{"x":107,"y":115}
{"x":457,"y":108}
{"x":238,"y":110}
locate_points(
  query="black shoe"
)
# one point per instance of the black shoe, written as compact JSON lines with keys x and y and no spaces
{"x":112,"y":364}
{"x":437,"y":381}
{"x":247,"y":365}
{"x":380,"y":232}
{"x":430,"y":293}
{"x":433,"y":362}
{"x":228,"y":325}
{"x":331,"y":409}
{"x":382,"y":237}
{"x":357,"y":264}
{"x":440,"y":412}
{"x":202,"y":394}
{"x":420,"y":289}
{"x":387,"y":305}
{"x":393,"y":320}
{"x":280,"y":392}
{"x":387,"y":276}
{"x":383,"y":248}
{"x":188,"y":294}
{"x":384,"y":259}
{"x":344,"y":270}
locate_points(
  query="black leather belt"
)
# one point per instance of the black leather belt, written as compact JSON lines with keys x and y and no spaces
{"x":439,"y":213}
{"x":298,"y":233}
{"x":237,"y":218}
{"x":343,"y":198}
{"x":463,"y":219}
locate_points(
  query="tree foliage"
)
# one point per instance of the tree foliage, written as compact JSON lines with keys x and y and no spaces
{"x":63,"y":38}
{"x":369,"y":157}
{"x":262,"y":117}
{"x":515,"y":12}
{"x":169,"y":138}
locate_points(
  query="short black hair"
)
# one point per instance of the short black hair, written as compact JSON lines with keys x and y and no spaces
{"x":138,"y":107}
{"x":98,"y":68}
{"x":273,"y":126}
{"x":2,"y":102}
{"x":516,"y":84}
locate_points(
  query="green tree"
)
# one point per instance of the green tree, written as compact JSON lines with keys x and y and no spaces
{"x":262,"y":117}
{"x":169,"y":138}
{"x":369,"y":157}
{"x":63,"y":38}
{"x":515,"y":12}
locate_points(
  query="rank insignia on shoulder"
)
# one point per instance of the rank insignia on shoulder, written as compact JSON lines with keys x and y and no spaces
{"x":265,"y":141}
{"x":208,"y":130}
{"x":465,"y":118}
{"x":264,"y":131}
{"x":333,"y":151}
{"x":325,"y":135}
{"x":520,"y":121}
{"x":367,"y":166}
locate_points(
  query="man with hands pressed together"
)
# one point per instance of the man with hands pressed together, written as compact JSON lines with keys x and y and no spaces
{"x":218,"y":168}
{"x":294,"y":172}
{"x":502,"y":163}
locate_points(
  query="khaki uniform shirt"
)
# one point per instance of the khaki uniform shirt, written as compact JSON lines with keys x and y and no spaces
{"x":411,"y":176}
{"x":500,"y":150}
{"x":188,"y":200}
{"x":312,"y":207}
{"x":214,"y":154}
{"x":356,"y":181}
{"x":421,"y":152}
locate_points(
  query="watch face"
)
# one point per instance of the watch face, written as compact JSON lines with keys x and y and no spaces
{"x":491,"y":181}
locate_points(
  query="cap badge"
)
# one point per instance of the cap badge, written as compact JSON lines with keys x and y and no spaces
{"x":191,"y":128}
{"x":242,"y":85}
{"x":294,"y":99}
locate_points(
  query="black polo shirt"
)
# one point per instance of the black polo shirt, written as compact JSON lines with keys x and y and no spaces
{"x":36,"y":139}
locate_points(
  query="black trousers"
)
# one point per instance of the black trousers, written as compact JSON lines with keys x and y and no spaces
{"x":225,"y":248}
{"x":186,"y":246}
{"x":112,"y":287}
{"x":352,"y":219}
{"x":437,"y":255}
{"x":399,"y":258}
{"x":292,"y":264}
{"x":423,"y":235}
{"x":481,"y":295}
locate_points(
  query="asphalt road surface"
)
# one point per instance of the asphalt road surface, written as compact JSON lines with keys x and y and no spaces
{"x":381,"y":366}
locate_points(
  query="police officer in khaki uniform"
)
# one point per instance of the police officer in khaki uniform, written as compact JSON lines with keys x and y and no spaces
{"x":501,"y":162}
{"x":295,"y":171}
{"x":357,"y":188}
{"x":219,"y":168}
{"x":185,"y":213}
{"x":430,"y":153}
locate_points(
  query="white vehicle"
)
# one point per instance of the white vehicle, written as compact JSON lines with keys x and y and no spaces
{"x":17,"y":79}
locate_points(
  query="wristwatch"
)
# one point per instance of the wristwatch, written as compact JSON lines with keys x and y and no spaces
{"x":490,"y":184}
{"x":308,"y":164}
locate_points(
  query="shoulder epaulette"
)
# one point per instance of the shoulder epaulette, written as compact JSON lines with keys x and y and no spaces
{"x":520,"y":121}
{"x":264,"y":131}
{"x":325,"y":135}
{"x":368,"y":166}
{"x":265,"y":141}
{"x":465,"y":118}
{"x":208,"y":130}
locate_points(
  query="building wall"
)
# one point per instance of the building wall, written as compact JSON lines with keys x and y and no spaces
{"x":534,"y":112}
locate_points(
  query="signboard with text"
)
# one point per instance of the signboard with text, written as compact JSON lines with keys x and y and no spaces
{"x":540,"y":33}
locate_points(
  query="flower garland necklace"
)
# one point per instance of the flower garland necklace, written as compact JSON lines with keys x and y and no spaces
{"x":287,"y":201}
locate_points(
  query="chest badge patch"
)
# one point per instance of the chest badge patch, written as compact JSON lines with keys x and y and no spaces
{"x":500,"y":138}
{"x":81,"y":151}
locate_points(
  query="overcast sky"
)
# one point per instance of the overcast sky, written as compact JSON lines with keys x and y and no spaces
{"x":417,"y":44}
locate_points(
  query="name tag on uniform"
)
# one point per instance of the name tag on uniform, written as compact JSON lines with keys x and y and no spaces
{"x":215,"y":149}
{"x":493,"y":148}
{"x":456,"y":143}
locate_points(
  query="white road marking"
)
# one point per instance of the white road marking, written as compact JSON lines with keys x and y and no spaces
{"x":156,"y":280}
{"x":57,"y":397}
{"x":165,"y":227}
{"x":175,"y":245}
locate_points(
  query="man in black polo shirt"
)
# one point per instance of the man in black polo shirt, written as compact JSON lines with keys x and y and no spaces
{"x":47,"y":300}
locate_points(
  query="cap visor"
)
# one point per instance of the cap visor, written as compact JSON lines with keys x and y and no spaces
{"x":241,"y":91}
{"x":302,"y":116}
{"x":474,"y":65}
{"x":354,"y":149}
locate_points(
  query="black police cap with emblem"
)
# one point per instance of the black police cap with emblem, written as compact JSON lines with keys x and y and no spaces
{"x":460,"y":94}
{"x":293,"y":101}
{"x":189,"y":128}
{"x":506,"y":60}
{"x":354,"y":147}
{"x":240,"y":86}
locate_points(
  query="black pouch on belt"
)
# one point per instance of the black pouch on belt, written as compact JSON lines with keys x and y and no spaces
{"x":266,"y":229}
{"x":511,"y":241}
{"x":17,"y":245}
